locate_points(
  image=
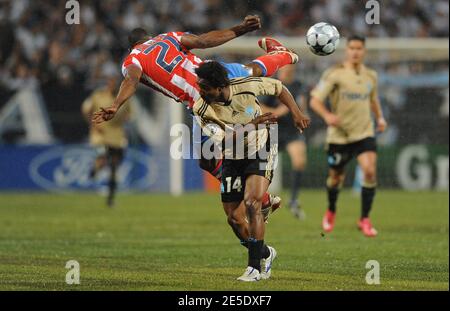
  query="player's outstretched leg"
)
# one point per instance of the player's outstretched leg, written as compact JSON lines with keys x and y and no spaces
{"x":255,"y":187}
{"x":100,"y":162}
{"x":238,"y":221}
{"x":277,"y":56}
{"x":115,"y":157}
{"x":112,"y":185}
{"x":334,"y":183}
{"x":270,"y":204}
{"x":266,"y":263}
{"x":367,"y":162}
{"x":297,"y":152}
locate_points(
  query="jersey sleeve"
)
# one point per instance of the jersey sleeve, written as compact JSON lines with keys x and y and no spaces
{"x":130,"y":60}
{"x":374,"y":91}
{"x":262,"y":87}
{"x":178,"y":34}
{"x":326,"y":85}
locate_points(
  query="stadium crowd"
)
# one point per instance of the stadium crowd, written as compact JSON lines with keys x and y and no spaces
{"x":37,"y":45}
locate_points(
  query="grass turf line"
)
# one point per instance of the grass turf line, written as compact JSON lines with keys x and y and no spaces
{"x":158,"y":242}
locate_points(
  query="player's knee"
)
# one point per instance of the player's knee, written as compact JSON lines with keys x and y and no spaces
{"x":234,"y":219}
{"x":231,"y":220}
{"x":370,"y":175}
{"x":253,"y":204}
{"x":299,"y":165}
{"x":335,"y":181}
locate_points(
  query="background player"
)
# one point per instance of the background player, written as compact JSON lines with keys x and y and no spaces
{"x":353,"y":92}
{"x":289,"y":138}
{"x":245,"y":176}
{"x":109,"y":138}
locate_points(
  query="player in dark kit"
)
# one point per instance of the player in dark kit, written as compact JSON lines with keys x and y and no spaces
{"x":246,"y":175}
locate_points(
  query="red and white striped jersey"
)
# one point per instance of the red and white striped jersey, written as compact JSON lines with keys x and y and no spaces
{"x":167,"y":66}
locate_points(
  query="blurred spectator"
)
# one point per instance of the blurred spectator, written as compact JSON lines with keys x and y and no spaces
{"x":37,"y":28}
{"x":38,"y":47}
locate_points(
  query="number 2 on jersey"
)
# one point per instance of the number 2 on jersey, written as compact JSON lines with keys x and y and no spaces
{"x":161,"y":57}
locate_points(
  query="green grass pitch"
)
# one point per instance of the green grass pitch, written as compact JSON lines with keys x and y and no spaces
{"x":157,"y":242}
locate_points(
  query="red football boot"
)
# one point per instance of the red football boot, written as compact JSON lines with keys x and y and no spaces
{"x":328,"y":221}
{"x":366,"y":227}
{"x":270,"y":45}
{"x":271,"y":206}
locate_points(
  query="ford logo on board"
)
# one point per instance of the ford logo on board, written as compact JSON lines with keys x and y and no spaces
{"x":67,"y":168}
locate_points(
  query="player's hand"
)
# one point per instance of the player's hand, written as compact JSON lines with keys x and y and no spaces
{"x":302,"y":122}
{"x":251,"y":23}
{"x":381,"y":125}
{"x":267,"y":118}
{"x":332,"y":120}
{"x":104,"y":115}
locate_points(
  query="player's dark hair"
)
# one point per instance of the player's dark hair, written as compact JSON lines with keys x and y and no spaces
{"x":213,"y":73}
{"x":356,"y":37}
{"x":136,"y":35}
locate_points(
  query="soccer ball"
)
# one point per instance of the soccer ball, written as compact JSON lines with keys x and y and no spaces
{"x":322,"y":39}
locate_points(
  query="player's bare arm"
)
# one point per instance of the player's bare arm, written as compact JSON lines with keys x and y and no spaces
{"x":301,"y":120}
{"x":218,"y":37}
{"x":378,"y":112}
{"x":319,"y":108}
{"x":127,"y":89}
{"x":279,"y":111}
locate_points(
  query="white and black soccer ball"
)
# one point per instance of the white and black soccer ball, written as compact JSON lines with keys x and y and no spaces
{"x":322,"y":39}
